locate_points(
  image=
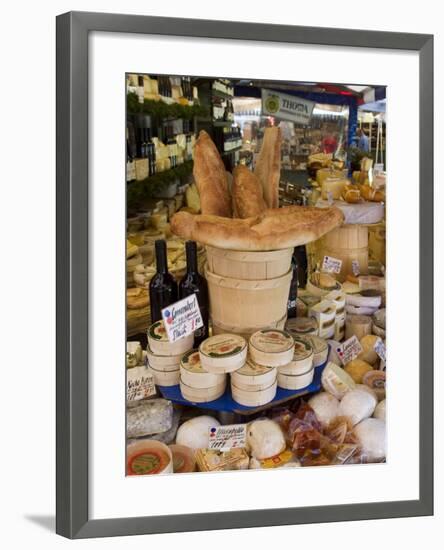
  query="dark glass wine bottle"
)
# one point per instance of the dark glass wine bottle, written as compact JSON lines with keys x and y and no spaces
{"x":193,"y":283}
{"x":301,"y":259}
{"x":293,"y":294}
{"x":163,"y":287}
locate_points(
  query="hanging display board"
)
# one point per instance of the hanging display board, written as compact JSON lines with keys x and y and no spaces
{"x":286,"y":107}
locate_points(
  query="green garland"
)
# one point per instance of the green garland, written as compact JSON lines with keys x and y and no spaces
{"x":160,"y":109}
{"x":137,"y":191}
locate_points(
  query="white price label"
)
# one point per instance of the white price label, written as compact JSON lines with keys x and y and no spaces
{"x":139,"y":384}
{"x":349,"y":350}
{"x":224,"y":438}
{"x":182,"y":318}
{"x":355,"y":267}
{"x":379,"y":347}
{"x":330,"y":197}
{"x":333,"y":265}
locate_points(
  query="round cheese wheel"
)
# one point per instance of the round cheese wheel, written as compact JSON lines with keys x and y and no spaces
{"x":336,"y":381}
{"x":368,"y":353}
{"x":265,"y":438}
{"x":380,"y":411}
{"x":194,"y":433}
{"x":325,"y":407}
{"x":375,"y":380}
{"x":357,"y":405}
{"x":356,"y":369}
{"x":372,"y":438}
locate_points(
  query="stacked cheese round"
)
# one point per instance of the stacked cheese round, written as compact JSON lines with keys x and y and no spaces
{"x":223,"y":353}
{"x":298,"y":326}
{"x":299,"y":372}
{"x":320,"y":349}
{"x":253,"y":384}
{"x":271,"y":347}
{"x":197,"y":384}
{"x":164,"y":356}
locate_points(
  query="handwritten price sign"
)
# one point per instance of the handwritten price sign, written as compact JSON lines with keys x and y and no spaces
{"x":224,"y":438}
{"x":139,"y":384}
{"x":332,"y":265}
{"x":182,"y":318}
{"x":349,"y":350}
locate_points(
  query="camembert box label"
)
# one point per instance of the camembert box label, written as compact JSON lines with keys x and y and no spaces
{"x":223,"y":345}
{"x":224,"y":438}
{"x":271,"y":340}
{"x":302,"y":349}
{"x":191,"y":362}
{"x":253,"y":369}
{"x":182,"y":318}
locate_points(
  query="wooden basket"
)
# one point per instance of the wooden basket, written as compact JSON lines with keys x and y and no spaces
{"x":244,"y":303}
{"x":346,"y":243}
{"x":246,"y":332}
{"x":249,"y":265}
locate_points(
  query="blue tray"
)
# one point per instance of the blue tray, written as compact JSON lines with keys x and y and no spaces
{"x":226,"y":402}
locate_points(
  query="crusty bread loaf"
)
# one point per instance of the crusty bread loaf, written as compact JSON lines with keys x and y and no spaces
{"x":248,"y":200}
{"x":211,"y":179}
{"x":274,"y":229}
{"x":268,"y":165}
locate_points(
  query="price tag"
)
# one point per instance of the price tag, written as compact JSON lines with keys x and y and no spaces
{"x":333,"y":265}
{"x":224,"y":438}
{"x":379,"y":347}
{"x":182,"y":318}
{"x":355,"y":267}
{"x":330,"y":197}
{"x":349,"y":350}
{"x":139,"y":384}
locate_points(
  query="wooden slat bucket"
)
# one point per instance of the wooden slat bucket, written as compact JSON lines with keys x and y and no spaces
{"x":249,"y":265}
{"x":347,"y":243}
{"x":246,"y":332}
{"x":246,"y":303}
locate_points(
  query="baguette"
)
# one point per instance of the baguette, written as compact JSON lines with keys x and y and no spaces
{"x":274,"y":229}
{"x":211,"y":180}
{"x":268,"y":165}
{"x":248,"y":200}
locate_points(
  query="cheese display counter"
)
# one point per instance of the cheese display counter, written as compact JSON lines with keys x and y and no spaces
{"x":232,"y":362}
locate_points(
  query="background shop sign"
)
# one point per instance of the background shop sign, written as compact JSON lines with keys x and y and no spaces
{"x":286,"y":107}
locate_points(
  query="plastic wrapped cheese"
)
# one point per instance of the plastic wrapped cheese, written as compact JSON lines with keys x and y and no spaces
{"x":195,"y":432}
{"x":357,"y":405}
{"x":265,"y":438}
{"x":380,"y":411}
{"x":368,"y":353}
{"x":356,"y":369}
{"x":325,"y":407}
{"x":336,"y":381}
{"x":372,"y":439}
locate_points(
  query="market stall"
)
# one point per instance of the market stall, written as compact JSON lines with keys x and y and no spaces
{"x":255,"y":325}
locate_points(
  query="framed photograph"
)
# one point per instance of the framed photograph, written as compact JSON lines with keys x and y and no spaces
{"x":244,"y":275}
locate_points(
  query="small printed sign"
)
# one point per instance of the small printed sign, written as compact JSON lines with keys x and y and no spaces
{"x":355,"y":267}
{"x":379,"y":347}
{"x":330,"y":197}
{"x":139,"y":384}
{"x":286,"y":107}
{"x":224,"y":438}
{"x":349,"y":350}
{"x":333,"y":265}
{"x":182,"y":318}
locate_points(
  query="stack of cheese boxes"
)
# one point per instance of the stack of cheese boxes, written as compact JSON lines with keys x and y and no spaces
{"x":330,"y":315}
{"x":271,"y":358}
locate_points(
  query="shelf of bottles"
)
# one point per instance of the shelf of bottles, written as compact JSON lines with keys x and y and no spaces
{"x":153,"y":145}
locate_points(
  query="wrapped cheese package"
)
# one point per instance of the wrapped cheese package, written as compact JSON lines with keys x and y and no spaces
{"x":195,"y":432}
{"x":209,"y":460}
{"x":325,"y":407}
{"x":336,"y":381}
{"x":357,"y":405}
{"x":265,"y":438}
{"x":372,"y":438}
